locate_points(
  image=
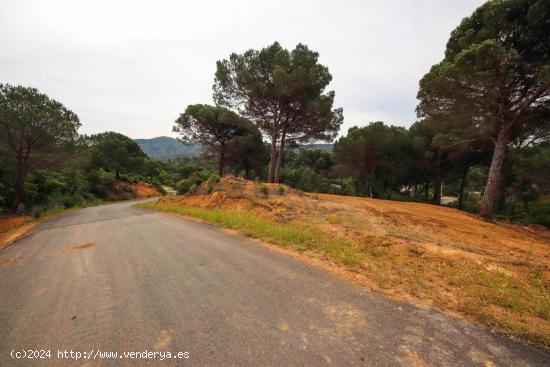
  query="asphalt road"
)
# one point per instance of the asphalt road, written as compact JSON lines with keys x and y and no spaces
{"x":121,"y":279}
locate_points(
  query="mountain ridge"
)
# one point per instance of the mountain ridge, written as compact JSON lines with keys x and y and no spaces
{"x":166,"y":147}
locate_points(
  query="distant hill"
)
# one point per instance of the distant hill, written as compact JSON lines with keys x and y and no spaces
{"x":319,"y":146}
{"x":165,"y":147}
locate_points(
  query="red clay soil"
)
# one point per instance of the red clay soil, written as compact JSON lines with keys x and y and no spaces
{"x":13,"y":226}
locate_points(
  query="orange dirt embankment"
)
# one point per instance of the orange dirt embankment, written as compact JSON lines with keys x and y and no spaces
{"x":145,"y":190}
{"x":497,"y":273}
{"x":13,"y":226}
{"x":440,"y":230}
{"x":124,"y":190}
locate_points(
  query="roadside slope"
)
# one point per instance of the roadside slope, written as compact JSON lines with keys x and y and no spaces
{"x":496,"y":273}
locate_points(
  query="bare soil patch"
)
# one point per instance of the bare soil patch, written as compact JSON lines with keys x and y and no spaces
{"x":13,"y":227}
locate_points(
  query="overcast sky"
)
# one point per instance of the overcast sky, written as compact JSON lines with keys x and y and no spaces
{"x":133,"y":66}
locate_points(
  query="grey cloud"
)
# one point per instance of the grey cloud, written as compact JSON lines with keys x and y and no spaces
{"x":133,"y":66}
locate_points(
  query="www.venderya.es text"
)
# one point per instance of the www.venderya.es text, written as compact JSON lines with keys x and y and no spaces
{"x":95,"y":354}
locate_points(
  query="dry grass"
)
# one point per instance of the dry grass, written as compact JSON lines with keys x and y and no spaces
{"x":495,"y":273}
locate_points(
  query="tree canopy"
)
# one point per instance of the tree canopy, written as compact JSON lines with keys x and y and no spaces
{"x":374,"y":154}
{"x":215,"y":128}
{"x":283,"y":93}
{"x":495,"y":76}
{"x":35,"y":132}
{"x":116,"y":152}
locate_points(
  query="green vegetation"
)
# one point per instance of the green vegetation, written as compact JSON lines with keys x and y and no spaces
{"x":283,"y":93}
{"x":36,"y":132}
{"x":482,"y":138}
{"x":116,"y":152}
{"x":493,"y":84}
{"x":224,"y":134}
{"x":45,"y":165}
{"x":300,"y":237}
{"x":481,"y":143}
{"x":250,"y":225}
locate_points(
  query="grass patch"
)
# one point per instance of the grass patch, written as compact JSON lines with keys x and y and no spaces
{"x":301,"y":237}
{"x":334,"y":219}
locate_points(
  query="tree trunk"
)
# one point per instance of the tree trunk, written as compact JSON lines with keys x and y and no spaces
{"x":427,"y":187}
{"x":280,"y":158}
{"x":221,"y":162}
{"x":273,"y":159}
{"x":488,"y":200}
{"x":117,"y":173}
{"x":525,"y":204}
{"x":462,"y":184}
{"x":437,"y":190}
{"x":438,"y":180}
{"x":500,"y":201}
{"x":20,"y":175}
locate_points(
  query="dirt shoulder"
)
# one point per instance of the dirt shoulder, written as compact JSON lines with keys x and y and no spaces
{"x":495,"y":273}
{"x":13,"y":227}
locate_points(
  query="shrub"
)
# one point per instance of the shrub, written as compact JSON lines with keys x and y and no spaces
{"x":100,"y":182}
{"x":349,"y":187}
{"x":184,"y":185}
{"x":69,"y":201}
{"x":193,"y":189}
{"x":214,"y":177}
{"x":281,"y":190}
{"x":264,"y":190}
{"x":160,"y":188}
{"x":540,"y":212}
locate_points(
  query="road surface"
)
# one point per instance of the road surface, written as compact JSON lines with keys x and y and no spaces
{"x":115,"y":278}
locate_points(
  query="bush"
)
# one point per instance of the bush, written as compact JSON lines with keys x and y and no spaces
{"x":349,"y":187}
{"x":281,"y":190}
{"x":100,"y":182}
{"x":193,"y":189}
{"x":69,"y":201}
{"x":160,"y":188}
{"x":264,"y":190}
{"x":199,"y":177}
{"x":184,"y":185}
{"x":540,"y":212}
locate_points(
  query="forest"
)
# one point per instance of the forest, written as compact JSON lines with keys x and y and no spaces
{"x":481,"y":142}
